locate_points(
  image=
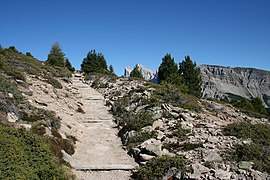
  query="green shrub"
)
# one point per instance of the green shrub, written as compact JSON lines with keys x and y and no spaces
{"x":6,"y":86}
{"x":38,"y":129}
{"x":38,"y":114}
{"x":181,"y":133}
{"x":252,"y":107}
{"x":156,"y":168}
{"x":169,"y":93}
{"x":258,"y":151}
{"x":25,"y":155}
{"x":175,"y":147}
{"x":15,"y":73}
{"x":119,"y":106}
{"x":139,"y":120}
{"x":140,"y":138}
{"x":259,"y":133}
{"x":55,"y":83}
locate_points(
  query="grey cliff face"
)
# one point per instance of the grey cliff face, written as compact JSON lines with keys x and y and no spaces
{"x":127,"y":71}
{"x":219,"y":81}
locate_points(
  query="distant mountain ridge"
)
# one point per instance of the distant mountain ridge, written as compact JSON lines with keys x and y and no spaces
{"x":223,"y":82}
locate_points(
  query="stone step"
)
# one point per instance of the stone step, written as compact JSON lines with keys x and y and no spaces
{"x":96,"y":121}
{"x":125,"y":167}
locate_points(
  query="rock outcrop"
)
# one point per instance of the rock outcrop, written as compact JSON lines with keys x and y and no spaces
{"x":225,"y":82}
{"x":147,"y":73}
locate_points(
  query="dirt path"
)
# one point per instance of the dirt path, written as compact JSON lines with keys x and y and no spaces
{"x":98,"y":148}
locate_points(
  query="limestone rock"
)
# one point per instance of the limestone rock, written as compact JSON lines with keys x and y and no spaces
{"x":213,"y":156}
{"x":245,"y":165}
{"x":198,"y":170}
{"x":219,"y":81}
{"x":146,"y":157}
{"x":221,"y":174}
{"x":12,"y":117}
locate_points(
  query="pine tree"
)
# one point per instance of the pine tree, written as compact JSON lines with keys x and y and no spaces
{"x":29,"y":54}
{"x":191,"y":76}
{"x":167,"y":69}
{"x":94,"y":62}
{"x":111,"y":70}
{"x":68,"y":65}
{"x":56,"y":57}
{"x":136,"y":73}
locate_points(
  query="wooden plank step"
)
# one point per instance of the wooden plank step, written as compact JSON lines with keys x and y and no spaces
{"x":106,"y":167}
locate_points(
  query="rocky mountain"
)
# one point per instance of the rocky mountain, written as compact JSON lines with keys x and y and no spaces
{"x":222,"y":82}
{"x":225,"y":82}
{"x":147,"y":73}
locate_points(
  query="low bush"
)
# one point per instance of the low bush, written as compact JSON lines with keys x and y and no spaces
{"x":175,"y":147}
{"x":259,"y":133}
{"x":55,"y":83}
{"x":6,"y":86}
{"x":25,"y":155}
{"x":253,"y":107}
{"x":140,"y":138}
{"x":258,"y":150}
{"x":180,"y":133}
{"x":15,"y":73}
{"x":156,"y":168}
{"x":37,"y":114}
{"x":139,"y":120}
{"x":172,"y":94}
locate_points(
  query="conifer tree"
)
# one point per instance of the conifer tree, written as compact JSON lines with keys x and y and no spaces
{"x":136,"y":73}
{"x":29,"y":54}
{"x":167,"y":69}
{"x":68,"y":65}
{"x":94,"y":62}
{"x":56,"y":57}
{"x":190,"y":74}
{"x":111,"y":70}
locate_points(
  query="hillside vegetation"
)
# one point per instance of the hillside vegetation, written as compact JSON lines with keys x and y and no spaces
{"x":28,"y":153}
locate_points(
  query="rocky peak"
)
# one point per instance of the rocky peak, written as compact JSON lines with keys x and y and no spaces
{"x":220,"y":82}
{"x":147,"y":73}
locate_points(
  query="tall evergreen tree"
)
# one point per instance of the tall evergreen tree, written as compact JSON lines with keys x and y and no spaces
{"x":167,"y":69}
{"x":29,"y":54}
{"x":56,"y":57}
{"x":111,"y":70}
{"x":190,"y":74}
{"x":68,"y":65}
{"x":136,"y":73}
{"x":94,"y":62}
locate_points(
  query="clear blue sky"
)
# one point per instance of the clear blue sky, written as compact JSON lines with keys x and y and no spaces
{"x":221,"y":32}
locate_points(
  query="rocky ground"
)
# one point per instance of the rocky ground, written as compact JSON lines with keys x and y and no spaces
{"x":85,"y":117}
{"x":207,"y":143}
